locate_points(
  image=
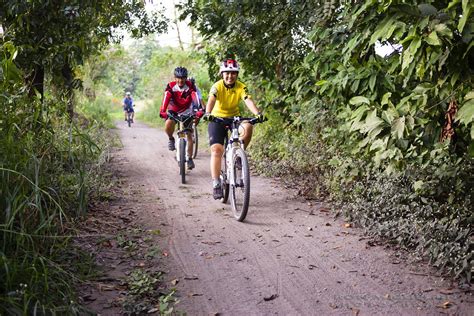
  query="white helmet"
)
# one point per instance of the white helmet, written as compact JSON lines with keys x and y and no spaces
{"x":127,"y":93}
{"x":229,"y":65}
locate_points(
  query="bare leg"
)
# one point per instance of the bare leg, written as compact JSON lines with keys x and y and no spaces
{"x":246,"y":130}
{"x":216,"y":156}
{"x":169,"y":127}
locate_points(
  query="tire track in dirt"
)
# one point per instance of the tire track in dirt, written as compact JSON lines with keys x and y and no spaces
{"x":289,"y":257}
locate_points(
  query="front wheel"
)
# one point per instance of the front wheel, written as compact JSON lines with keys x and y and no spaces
{"x":129,"y":120}
{"x":240,"y":185}
{"x":182,"y":159}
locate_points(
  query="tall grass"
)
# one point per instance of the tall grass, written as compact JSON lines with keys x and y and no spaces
{"x":46,"y":165}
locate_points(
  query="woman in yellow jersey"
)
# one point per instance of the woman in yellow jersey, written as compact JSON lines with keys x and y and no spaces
{"x":224,"y":99}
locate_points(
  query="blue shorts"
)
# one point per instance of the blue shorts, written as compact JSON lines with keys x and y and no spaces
{"x":129,"y":109}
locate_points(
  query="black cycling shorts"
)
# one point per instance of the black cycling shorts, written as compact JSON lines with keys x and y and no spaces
{"x":187,"y":124}
{"x":217,"y":133}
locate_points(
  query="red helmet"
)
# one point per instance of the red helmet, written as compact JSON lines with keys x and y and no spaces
{"x":229,"y":65}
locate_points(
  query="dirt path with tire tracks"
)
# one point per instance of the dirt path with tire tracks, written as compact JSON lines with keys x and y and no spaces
{"x":289,"y":257}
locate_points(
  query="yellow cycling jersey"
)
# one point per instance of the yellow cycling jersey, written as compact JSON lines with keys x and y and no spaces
{"x":227,"y":99}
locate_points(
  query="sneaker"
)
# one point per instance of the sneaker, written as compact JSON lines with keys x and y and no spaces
{"x":125,"y":120}
{"x":190,"y":164}
{"x":131,"y":120}
{"x":171,"y":145}
{"x":217,"y":193}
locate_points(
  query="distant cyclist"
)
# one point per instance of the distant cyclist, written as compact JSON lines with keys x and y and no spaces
{"x":180,"y":96}
{"x":223,"y":102}
{"x":128,"y":106}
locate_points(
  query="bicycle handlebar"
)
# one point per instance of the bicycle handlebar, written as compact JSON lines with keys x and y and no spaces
{"x":251,"y":120}
{"x":180,"y":117}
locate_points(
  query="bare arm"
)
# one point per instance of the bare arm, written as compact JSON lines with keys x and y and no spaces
{"x":211,"y":101}
{"x":251,"y":106}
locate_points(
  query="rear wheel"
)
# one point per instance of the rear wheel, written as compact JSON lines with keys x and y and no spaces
{"x":182,"y":159}
{"x":224,"y":180}
{"x":240,"y":189}
{"x":195,"y":141}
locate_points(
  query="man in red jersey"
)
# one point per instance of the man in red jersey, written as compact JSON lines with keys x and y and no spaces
{"x":180,"y":97}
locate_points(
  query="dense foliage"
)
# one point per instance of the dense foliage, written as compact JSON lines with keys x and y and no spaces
{"x":353,"y":117}
{"x":50,"y":154}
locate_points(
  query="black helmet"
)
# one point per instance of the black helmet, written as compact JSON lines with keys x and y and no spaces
{"x":193,"y":81}
{"x":180,"y":72}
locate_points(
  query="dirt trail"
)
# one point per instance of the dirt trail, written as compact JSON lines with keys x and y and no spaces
{"x":289,"y":257}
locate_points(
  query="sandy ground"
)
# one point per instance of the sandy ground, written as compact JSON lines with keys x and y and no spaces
{"x":289,"y":257}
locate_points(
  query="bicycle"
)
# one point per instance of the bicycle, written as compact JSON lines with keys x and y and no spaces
{"x":184,"y":130}
{"x":129,"y":116}
{"x":235,"y":173}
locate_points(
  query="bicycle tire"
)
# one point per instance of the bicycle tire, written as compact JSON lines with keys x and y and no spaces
{"x":240,"y":189}
{"x":195,"y":141}
{"x":182,"y":159}
{"x":129,"y":120}
{"x":224,"y":180}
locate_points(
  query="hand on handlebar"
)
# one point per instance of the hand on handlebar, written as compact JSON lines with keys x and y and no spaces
{"x":199,"y":114}
{"x":261,"y":118}
{"x":208,"y":117}
{"x":163,"y":114}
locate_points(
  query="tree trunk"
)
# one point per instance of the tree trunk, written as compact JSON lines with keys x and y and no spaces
{"x":68,"y":86}
{"x":177,"y":27}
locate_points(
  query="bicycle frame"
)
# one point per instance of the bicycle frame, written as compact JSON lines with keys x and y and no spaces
{"x":182,"y":144}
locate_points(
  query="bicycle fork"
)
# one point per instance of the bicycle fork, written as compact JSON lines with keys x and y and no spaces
{"x":230,"y":153}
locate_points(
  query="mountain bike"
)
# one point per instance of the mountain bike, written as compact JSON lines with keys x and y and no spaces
{"x":235,"y":172}
{"x":129,"y":119}
{"x":129,"y":116}
{"x":184,"y":131}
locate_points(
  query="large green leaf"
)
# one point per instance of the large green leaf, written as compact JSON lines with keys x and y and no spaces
{"x":466,"y":114}
{"x":398,"y":127}
{"x":359,"y":100}
{"x":469,"y":95}
{"x":466,"y":11}
{"x":409,"y":54}
{"x":372,"y":122}
{"x":433,"y":39}
{"x":443,"y":30}
{"x":427,"y":9}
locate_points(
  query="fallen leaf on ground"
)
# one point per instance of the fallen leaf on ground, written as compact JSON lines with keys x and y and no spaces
{"x":174,"y":282}
{"x":445,"y":305}
{"x":104,"y":287}
{"x":347,"y":225}
{"x":210,"y":242}
{"x":271,"y":297}
{"x":447,"y":291}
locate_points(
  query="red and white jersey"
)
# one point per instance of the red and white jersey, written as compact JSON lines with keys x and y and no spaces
{"x":179,"y":99}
